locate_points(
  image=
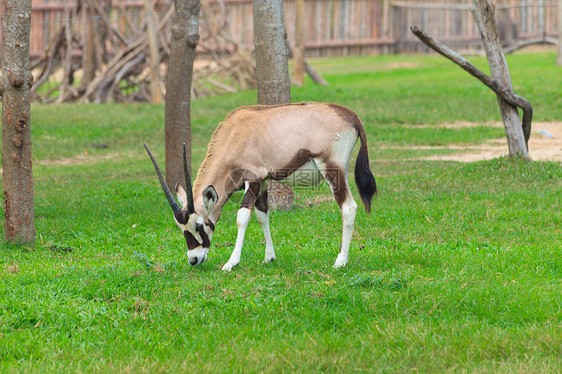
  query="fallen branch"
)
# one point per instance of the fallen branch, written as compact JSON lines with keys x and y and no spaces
{"x":102,"y":95}
{"x":223,"y":86}
{"x":122,"y":67}
{"x":48,"y":60}
{"x":504,"y":93}
{"x":525,"y":43}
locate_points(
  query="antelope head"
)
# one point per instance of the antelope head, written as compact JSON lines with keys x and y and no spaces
{"x":197,"y":229}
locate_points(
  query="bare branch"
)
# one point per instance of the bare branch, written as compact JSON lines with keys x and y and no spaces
{"x":504,"y":93}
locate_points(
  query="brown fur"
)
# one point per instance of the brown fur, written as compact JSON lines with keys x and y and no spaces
{"x":257,"y":142}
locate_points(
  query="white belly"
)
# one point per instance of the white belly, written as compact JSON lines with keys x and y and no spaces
{"x":307,"y":175}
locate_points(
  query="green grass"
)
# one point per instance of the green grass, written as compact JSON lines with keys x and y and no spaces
{"x":457,"y":269}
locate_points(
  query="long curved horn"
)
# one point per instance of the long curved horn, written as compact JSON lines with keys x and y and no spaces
{"x":188,"y":188}
{"x":173,"y":203}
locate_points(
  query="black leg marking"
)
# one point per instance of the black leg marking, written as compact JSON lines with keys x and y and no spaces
{"x":336,"y":178}
{"x":261,"y":202}
{"x":251,"y":195}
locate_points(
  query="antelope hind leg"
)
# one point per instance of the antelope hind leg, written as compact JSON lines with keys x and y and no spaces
{"x":348,"y":211}
{"x":335,"y":174}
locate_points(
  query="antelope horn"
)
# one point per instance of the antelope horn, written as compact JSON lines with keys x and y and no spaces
{"x":173,"y":203}
{"x":188,"y":189}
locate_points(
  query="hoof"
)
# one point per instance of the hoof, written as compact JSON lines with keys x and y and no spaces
{"x":228,"y":266}
{"x":338,"y":265}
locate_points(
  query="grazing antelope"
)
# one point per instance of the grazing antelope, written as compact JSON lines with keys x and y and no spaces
{"x":261,"y":142}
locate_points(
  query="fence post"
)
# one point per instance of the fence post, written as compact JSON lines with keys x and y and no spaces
{"x":559,"y":59}
{"x":299,"y":45}
{"x":155,"y":91}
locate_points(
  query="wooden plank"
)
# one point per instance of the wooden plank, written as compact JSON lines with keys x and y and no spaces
{"x":349,"y":43}
{"x":559,"y":56}
{"x":339,"y":21}
{"x":406,"y":4}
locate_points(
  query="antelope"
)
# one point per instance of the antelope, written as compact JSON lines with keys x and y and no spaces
{"x":261,"y":142}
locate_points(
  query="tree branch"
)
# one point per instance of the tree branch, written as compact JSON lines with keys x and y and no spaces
{"x":505,"y":93}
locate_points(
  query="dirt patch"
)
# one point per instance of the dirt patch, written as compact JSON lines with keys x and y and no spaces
{"x":402,"y":65}
{"x":81,"y":159}
{"x":545,"y":144}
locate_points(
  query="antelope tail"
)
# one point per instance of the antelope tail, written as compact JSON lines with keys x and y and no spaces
{"x":364,"y":178}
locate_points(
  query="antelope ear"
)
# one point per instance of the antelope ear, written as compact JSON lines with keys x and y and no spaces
{"x":182,"y":195}
{"x":210,"y":198}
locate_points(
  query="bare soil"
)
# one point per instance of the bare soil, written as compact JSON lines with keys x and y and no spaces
{"x":545,"y":144}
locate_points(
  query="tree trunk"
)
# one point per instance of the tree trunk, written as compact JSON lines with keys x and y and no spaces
{"x":559,"y":58}
{"x":185,"y":36}
{"x":483,"y":12}
{"x":272,"y":75}
{"x":16,"y":81}
{"x":299,"y":43}
{"x":272,"y":67}
{"x":155,"y":92}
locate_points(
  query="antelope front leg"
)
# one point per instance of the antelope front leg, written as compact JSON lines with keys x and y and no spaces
{"x":242,"y":220}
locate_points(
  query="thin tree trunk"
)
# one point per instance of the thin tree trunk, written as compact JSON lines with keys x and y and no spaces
{"x":483,"y":12}
{"x":299,"y":43}
{"x":272,"y":75}
{"x":185,"y":36}
{"x":155,"y":92}
{"x":16,"y":80}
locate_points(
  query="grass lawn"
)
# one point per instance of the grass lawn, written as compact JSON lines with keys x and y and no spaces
{"x":458,"y":268}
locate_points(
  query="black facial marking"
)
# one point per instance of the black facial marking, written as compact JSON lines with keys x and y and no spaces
{"x":192,"y":243}
{"x":210,"y":224}
{"x":201,"y":230}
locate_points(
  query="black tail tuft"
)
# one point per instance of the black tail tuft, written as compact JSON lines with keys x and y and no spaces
{"x":363,"y":176}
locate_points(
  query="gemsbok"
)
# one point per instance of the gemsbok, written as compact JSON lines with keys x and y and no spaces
{"x":261,"y":142}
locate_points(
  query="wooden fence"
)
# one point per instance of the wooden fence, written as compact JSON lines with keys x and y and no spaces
{"x":334,"y":27}
{"x":452,"y":22}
